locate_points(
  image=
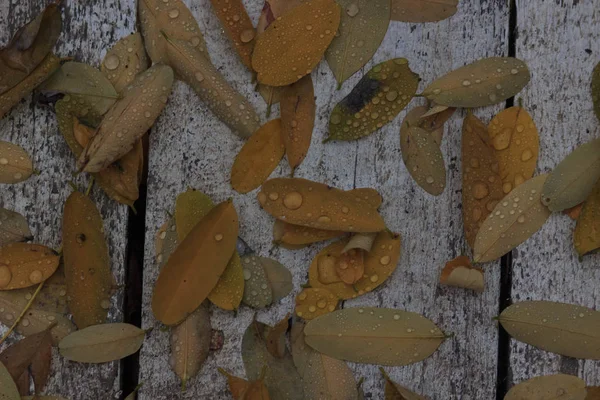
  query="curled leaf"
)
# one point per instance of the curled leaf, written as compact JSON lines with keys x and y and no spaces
{"x":460,"y":273}
{"x":423,"y":158}
{"x":15,"y":164}
{"x":423,"y":10}
{"x":314,"y":302}
{"x":24,"y":264}
{"x":238,"y":27}
{"x":587,"y":232}
{"x":549,"y":387}
{"x":257,"y":289}
{"x":375,"y":101}
{"x":124,"y":61}
{"x":288,"y":234}
{"x":13,"y":227}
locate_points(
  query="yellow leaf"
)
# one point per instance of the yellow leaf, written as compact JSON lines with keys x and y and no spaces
{"x":238,"y":27}
{"x":314,"y":302}
{"x":15,"y":164}
{"x":587,"y":231}
{"x":24,"y":264}
{"x":558,"y":386}
{"x":284,"y":233}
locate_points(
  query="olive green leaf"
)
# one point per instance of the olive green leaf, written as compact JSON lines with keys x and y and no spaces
{"x":257,"y":289}
{"x":8,"y":387}
{"x":166,"y":242}
{"x":13,"y":227}
{"x":190,"y":207}
{"x":394,"y":391}
{"x":558,"y":386}
{"x":572,"y":181}
{"x":423,"y":10}
{"x":15,"y":164}
{"x":275,"y":339}
{"x":515,"y":218}
{"x":596,"y":89}
{"x":279,"y":277}
{"x":565,"y":329}
{"x":362,"y":28}
{"x":587,"y":232}
{"x":375,"y":101}
{"x":374,"y":336}
{"x":102,"y":343}
{"x":124,"y":61}
{"x":482,"y":83}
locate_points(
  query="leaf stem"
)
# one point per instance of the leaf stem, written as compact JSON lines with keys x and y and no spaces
{"x":90,"y":185}
{"x":29,"y":303}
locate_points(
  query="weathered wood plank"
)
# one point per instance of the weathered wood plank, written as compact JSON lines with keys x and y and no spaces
{"x":89,"y":28}
{"x":560,"y":41}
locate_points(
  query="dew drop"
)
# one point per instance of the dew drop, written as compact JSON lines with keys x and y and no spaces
{"x":174,"y":13}
{"x":111,"y":62}
{"x":385,"y":260}
{"x":199,"y":76}
{"x":292,"y":200}
{"x":218,"y":237}
{"x":247,"y":35}
{"x":5,"y":276}
{"x":36,"y":276}
{"x":480,"y":190}
{"x":3,"y":161}
{"x":352,"y":9}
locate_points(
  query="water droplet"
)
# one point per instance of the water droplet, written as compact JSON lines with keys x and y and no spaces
{"x":273,"y":196}
{"x":105,"y":304}
{"x":312,"y":308}
{"x":173,"y":13}
{"x":309,"y":27}
{"x":111,"y":62}
{"x":466,"y":83}
{"x":247,"y":274}
{"x":352,"y":9}
{"x":374,"y":278}
{"x":218,"y":237}
{"x":25,"y":322}
{"x":336,"y":119}
{"x":396,"y":317}
{"x":429,"y":179}
{"x":324,"y":219}
{"x":302,"y":296}
{"x":36,"y":276}
{"x":507,"y":187}
{"x":199,"y":76}
{"x":292,"y":200}
{"x":514,"y":71}
{"x":5,"y":276}
{"x":502,"y":140}
{"x":3,"y":161}
{"x":385,"y":260}
{"x":480,"y":190}
{"x":521,"y":219}
{"x":526,"y":155}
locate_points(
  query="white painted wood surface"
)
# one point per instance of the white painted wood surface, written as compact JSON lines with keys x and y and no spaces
{"x":89,"y":28}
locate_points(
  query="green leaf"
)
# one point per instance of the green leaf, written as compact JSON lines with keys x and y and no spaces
{"x":279,"y":277}
{"x":257,"y":288}
{"x":8,"y":388}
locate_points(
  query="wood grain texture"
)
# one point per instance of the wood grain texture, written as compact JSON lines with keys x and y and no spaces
{"x":190,"y":147}
{"x":560,"y":41}
{"x":89,"y":28}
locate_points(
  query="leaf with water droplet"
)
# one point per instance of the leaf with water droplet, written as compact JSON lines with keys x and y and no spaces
{"x":558,"y":386}
{"x":257,"y":289}
{"x":363,"y":26}
{"x":15,"y":164}
{"x":275,"y":339}
{"x":87,"y":262}
{"x":423,"y":10}
{"x":24,"y":264}
{"x":316,"y":205}
{"x":124,"y":61}
{"x":394,"y":391}
{"x":587,"y":232}
{"x":374,"y":336}
{"x":561,"y":328}
{"x":514,"y":137}
{"x":190,"y":342}
{"x":482,"y":83}
{"x":296,"y":235}
{"x":194,"y":268}
{"x":8,"y":388}
{"x":481,"y":182}
{"x":297,"y":119}
{"x":241,"y":389}
{"x":433,"y":119}
{"x":380,"y":263}
{"x":258,"y":158}
{"x":574,"y":212}
{"x":293,"y":44}
{"x":596,"y":89}
{"x":237,"y":25}
{"x":515,"y":219}
{"x":279,"y":277}
{"x":460,"y":273}
{"x":13,"y":227}
{"x":314,"y":302}
{"x":375,"y":101}
{"x":102,"y":343}
{"x":166,"y":242}
{"x":572,"y":181}
{"x":129,"y":119}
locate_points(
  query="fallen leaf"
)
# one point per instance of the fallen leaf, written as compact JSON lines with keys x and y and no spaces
{"x":190,"y":342}
{"x":275,"y":339}
{"x":23,"y":383}
{"x":548,"y":387}
{"x":587,"y":232}
{"x":13,"y":227}
{"x":166,"y":242}
{"x":565,"y":329}
{"x":257,"y":289}
{"x":237,"y":25}
{"x":87,"y":262}
{"x":574,"y":212}
{"x":400,"y":337}
{"x":194,"y":268}
{"x":423,"y":158}
{"x":481,"y":182}
{"x":596,"y":89}
{"x":482,"y":83}
{"x":375,"y":101}
{"x":314,"y":302}
{"x":258,"y":158}
{"x":316,"y":205}
{"x":515,"y":139}
{"x":34,"y":351}
{"x":514,"y":219}
{"x":273,"y":9}
{"x":293,"y":44}
{"x":284,"y":233}
{"x":574,"y":178}
{"x":42,"y":363}
{"x":350,"y":266}
{"x":25,"y":264}
{"x":8,"y":388}
{"x":460,"y":273}
{"x":279,"y":277}
{"x":363,"y":26}
{"x":190,"y":207}
{"x":423,"y":10}
{"x":593,"y":393}
{"x":394,"y":391}
{"x":124,"y":61}
{"x":102,"y":343}
{"x":15,"y":164}
{"x":241,"y":389}
{"x":297,"y":119}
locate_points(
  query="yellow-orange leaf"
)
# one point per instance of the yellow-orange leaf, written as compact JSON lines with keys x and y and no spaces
{"x":314,"y":302}
{"x":350,"y":266}
{"x":284,"y":233}
{"x":15,"y":164}
{"x":238,"y":27}
{"x":587,"y":231}
{"x":24,"y":264}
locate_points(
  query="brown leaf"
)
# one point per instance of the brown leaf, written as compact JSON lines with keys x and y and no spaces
{"x":558,"y":386}
{"x":42,"y":363}
{"x":13,"y":227}
{"x":350,"y":266}
{"x":423,"y":10}
{"x":124,"y":61}
{"x":284,"y":233}
{"x":275,"y":339}
{"x":34,"y":351}
{"x":314,"y":302}
{"x":241,"y":389}
{"x":24,"y":264}
{"x":23,"y":383}
{"x":587,"y":232}
{"x":574,"y":212}
{"x":394,"y":391}
{"x":279,"y":277}
{"x":8,"y":388}
{"x":15,"y":164}
{"x":238,"y":27}
{"x":460,"y":273}
{"x":273,"y":9}
{"x":593,"y":393}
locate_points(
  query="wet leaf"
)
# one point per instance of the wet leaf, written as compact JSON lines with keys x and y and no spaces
{"x":241,"y":389}
{"x":274,"y":9}
{"x":297,"y":119}
{"x":12,"y":96}
{"x":548,"y":387}
{"x":276,"y":338}
{"x":596,"y":89}
{"x":316,"y":205}
{"x":270,"y":94}
{"x":257,"y":289}
{"x":194,"y":268}
{"x":350,"y":266}
{"x":380,"y":263}
{"x":190,"y":342}
{"x":423,"y":10}
{"x":281,"y":377}
{"x":237,"y":25}
{"x":460,"y":273}
{"x":45,"y":398}
{"x":24,"y":264}
{"x":8,"y":388}
{"x":363,"y":26}
{"x":124,"y":61}
{"x":102,"y":343}
{"x":13,"y":227}
{"x":314,"y":302}
{"x":481,"y":182}
{"x":190,"y":207}
{"x":129,"y":119}
{"x":197,"y":71}
{"x":323,"y":377}
{"x":593,"y":393}
{"x":573,"y":179}
{"x":23,"y":383}
{"x":574,"y":212}
{"x":284,"y":233}
{"x":166,"y":242}
{"x":87,"y":262}
{"x":258,"y":158}
{"x":293,"y":45}
{"x":279,"y":277}
{"x":374,"y":336}
{"x":375,"y":101}
{"x":515,"y":139}
{"x":362,"y":241}
{"x":425,"y":118}
{"x":482,"y":83}
{"x":423,"y":158}
{"x":587,"y":232}
{"x":394,"y":391}
{"x":560,"y":328}
{"x":15,"y":164}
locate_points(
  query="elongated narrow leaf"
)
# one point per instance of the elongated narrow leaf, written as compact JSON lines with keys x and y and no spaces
{"x":514,"y":219}
{"x":482,"y":83}
{"x":13,"y":227}
{"x":423,"y":158}
{"x":561,"y":328}
{"x":596,"y":89}
{"x":238,"y":27}
{"x":8,"y":388}
{"x":124,"y":61}
{"x":295,"y":43}
{"x":362,"y":28}
{"x":558,"y":386}
{"x":314,"y":302}
{"x":574,"y":178}
{"x":375,"y":101}
{"x":587,"y":231}
{"x":15,"y":164}
{"x":102,"y":343}
{"x":423,"y":10}
{"x":374,"y":336}
{"x":23,"y":265}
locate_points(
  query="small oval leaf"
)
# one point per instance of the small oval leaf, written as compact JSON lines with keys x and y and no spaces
{"x":124,"y":61}
{"x":15,"y":164}
{"x":24,"y":264}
